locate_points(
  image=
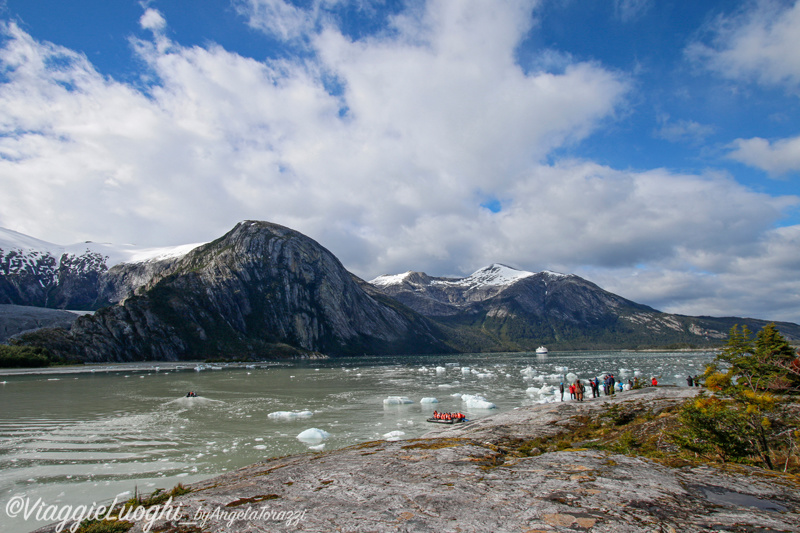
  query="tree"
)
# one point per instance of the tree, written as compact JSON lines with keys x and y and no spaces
{"x":764,"y":364}
{"x":780,"y":368}
{"x":746,"y":417}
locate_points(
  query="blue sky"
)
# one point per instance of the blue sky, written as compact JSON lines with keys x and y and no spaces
{"x":651,"y":147}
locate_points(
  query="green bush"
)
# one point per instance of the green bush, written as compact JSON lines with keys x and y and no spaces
{"x":23,"y":356}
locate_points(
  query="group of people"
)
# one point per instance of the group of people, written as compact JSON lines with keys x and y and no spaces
{"x":191,"y":394}
{"x":577,"y":390}
{"x":448,"y":416}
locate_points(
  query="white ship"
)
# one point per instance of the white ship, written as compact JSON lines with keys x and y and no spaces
{"x":541,"y":350}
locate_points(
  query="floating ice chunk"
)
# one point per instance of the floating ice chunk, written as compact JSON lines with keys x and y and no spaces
{"x":445,"y":386}
{"x":456,"y":395}
{"x":397,"y":400}
{"x":317,"y":447}
{"x":423,"y":369}
{"x":571,"y":377}
{"x":475,"y":401}
{"x":484,"y":375}
{"x":545,"y":390}
{"x":289,"y":415}
{"x":260,"y":447}
{"x":562,"y":369}
{"x":429,"y":400}
{"x":465,"y":370}
{"x":313,"y":435}
{"x":528,"y":371}
{"x":393,"y":435}
{"x":440,"y":370}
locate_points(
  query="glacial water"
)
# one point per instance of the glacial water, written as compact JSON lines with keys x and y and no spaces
{"x":75,"y":438}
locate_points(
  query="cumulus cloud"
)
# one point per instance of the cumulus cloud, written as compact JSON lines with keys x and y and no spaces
{"x":153,"y":20}
{"x":757,"y":280}
{"x":389,"y":169}
{"x":759,"y":43}
{"x":279,"y":18}
{"x":778,"y":157}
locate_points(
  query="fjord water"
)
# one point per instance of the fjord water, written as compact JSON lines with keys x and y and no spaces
{"x":74,"y":438}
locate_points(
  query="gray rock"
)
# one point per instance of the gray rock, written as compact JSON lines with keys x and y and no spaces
{"x":457,"y":480}
{"x":262,"y":290}
{"x":16,"y":319}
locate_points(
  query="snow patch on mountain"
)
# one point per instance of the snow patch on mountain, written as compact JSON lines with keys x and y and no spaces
{"x":390,"y":279}
{"x":495,"y":275}
{"x":24,"y":246}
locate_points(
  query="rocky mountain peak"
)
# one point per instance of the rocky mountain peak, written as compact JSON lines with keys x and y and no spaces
{"x":261,"y":290}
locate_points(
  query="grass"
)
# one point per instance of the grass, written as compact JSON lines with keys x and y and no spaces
{"x":434,"y":444}
{"x":104,"y":526}
{"x":625,"y":429}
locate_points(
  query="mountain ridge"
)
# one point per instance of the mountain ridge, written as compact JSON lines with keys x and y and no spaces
{"x":520,"y":310}
{"x":263,"y":290}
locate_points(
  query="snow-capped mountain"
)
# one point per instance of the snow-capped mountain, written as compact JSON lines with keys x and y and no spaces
{"x":502,"y":308}
{"x":439,"y":296}
{"x":261,"y":290}
{"x":39,"y":273}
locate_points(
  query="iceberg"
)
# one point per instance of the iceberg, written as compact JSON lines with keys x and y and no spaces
{"x":290,"y":415}
{"x":475,"y":401}
{"x":440,"y":370}
{"x":397,"y":400}
{"x":393,"y":435}
{"x":429,"y":400}
{"x":314,"y":435}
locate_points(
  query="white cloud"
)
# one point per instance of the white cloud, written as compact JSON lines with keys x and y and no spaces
{"x":279,"y":18}
{"x":779,"y":157}
{"x":759,"y":281}
{"x":153,"y":20}
{"x":760,"y":43}
{"x":432,"y":119}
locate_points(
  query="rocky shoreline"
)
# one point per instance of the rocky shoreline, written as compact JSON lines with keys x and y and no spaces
{"x":459,"y":478}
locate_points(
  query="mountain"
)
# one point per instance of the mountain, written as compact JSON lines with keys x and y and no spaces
{"x":78,"y":276}
{"x":262,"y":290}
{"x":502,"y":308}
{"x":16,"y":319}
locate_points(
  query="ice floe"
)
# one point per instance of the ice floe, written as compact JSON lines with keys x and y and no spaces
{"x":397,"y":400}
{"x":290,"y":415}
{"x":476,"y":401}
{"x":313,"y":435}
{"x":393,"y":435}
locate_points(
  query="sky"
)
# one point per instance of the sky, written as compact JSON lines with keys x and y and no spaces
{"x":652,"y":147}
